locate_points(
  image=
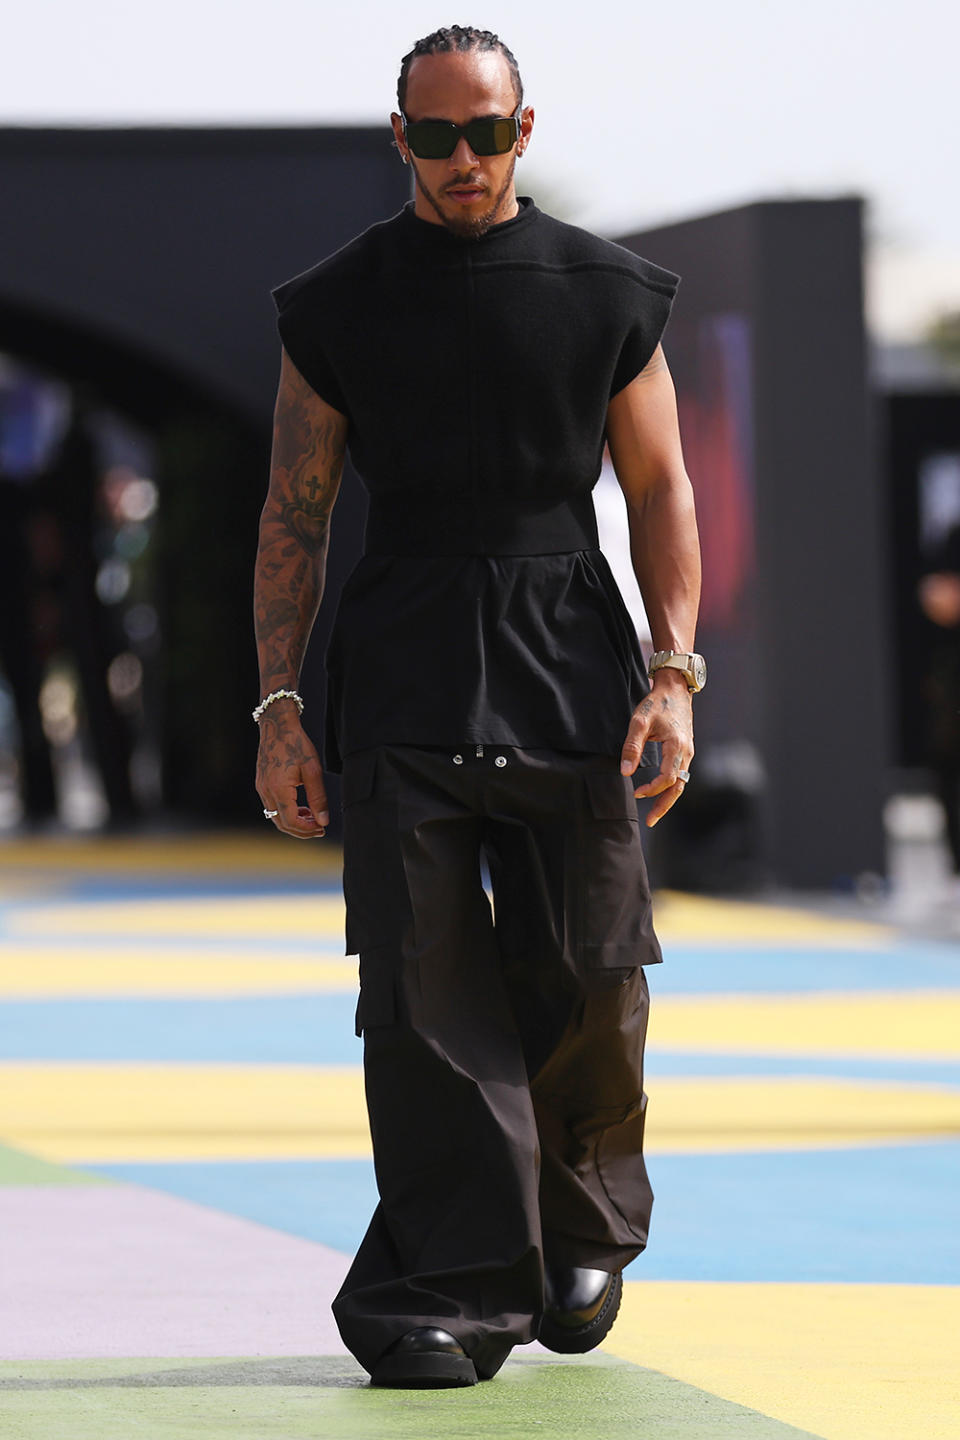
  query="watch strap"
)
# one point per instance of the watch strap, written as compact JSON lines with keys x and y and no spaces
{"x":683,"y":660}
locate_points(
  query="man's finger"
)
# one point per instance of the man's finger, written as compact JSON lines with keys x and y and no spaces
{"x":667,"y":774}
{"x":660,"y":782}
{"x":316,"y":793}
{"x":632,"y":750}
{"x":667,"y":800}
{"x":294,"y":819}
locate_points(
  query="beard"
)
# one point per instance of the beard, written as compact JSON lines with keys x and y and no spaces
{"x":468,"y":227}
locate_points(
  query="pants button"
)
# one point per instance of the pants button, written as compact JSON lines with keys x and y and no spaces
{"x":458,"y":759}
{"x":500,"y":761}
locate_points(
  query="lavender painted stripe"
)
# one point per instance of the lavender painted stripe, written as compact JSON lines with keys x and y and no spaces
{"x":120,"y":1271}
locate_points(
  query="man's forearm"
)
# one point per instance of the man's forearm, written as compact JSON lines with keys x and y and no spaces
{"x":287,"y":590}
{"x":665,"y":551}
{"x":309,"y":441}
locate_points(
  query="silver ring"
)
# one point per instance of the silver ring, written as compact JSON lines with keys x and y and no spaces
{"x":683,"y":775}
{"x":270,"y":814}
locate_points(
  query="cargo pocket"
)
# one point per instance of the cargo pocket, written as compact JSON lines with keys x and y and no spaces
{"x":615,"y":928}
{"x":377,"y":1002}
{"x":359,"y":777}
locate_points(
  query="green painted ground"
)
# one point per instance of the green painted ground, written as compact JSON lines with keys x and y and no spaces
{"x":17,"y":1168}
{"x":595,"y":1398}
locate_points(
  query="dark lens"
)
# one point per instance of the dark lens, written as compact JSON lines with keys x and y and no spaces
{"x":432,"y":139}
{"x":491,"y":137}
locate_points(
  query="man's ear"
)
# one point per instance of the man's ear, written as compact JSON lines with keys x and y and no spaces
{"x":526,"y":128}
{"x":397,"y":122}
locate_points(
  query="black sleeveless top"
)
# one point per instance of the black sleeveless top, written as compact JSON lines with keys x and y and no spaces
{"x":475,"y":375}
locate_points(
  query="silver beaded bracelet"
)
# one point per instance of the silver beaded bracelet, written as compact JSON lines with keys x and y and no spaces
{"x":277,"y":695}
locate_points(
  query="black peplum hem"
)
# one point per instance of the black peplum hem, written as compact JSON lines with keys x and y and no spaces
{"x":528,"y":650}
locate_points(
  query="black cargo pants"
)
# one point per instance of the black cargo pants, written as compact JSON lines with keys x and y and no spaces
{"x":503,"y":1050}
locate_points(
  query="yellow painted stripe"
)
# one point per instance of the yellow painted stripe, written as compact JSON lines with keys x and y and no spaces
{"x":16,"y":888}
{"x":300,"y":916}
{"x":847,"y":1362}
{"x":256,"y":917}
{"x":40,"y":972}
{"x":189,"y":854}
{"x":729,"y":1113}
{"x":117,"y":1111}
{"x":102,"y":1112}
{"x":920,"y":1024}
{"x":699,"y":919}
{"x":29,"y":864}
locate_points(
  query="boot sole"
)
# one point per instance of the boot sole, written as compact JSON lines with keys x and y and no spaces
{"x":567,"y":1340}
{"x":430,"y":1371}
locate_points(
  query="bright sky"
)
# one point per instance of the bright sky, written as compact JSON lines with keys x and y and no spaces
{"x":645,"y":113}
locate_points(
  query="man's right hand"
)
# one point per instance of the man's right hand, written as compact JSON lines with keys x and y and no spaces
{"x":286,"y":759}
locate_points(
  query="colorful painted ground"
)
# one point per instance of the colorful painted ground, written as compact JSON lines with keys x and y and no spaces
{"x":185,"y":1168}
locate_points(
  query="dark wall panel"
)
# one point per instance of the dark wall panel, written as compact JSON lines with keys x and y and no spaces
{"x":767,"y":350}
{"x":168,"y":241}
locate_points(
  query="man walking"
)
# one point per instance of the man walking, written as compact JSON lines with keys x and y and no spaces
{"x":488,"y":701}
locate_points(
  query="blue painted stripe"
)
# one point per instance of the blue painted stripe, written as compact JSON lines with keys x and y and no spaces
{"x":885,"y":1215}
{"x":878,"y":1216}
{"x":208,"y":884}
{"x":329,"y":1201}
{"x":886,"y":1068}
{"x":261,"y":1029}
{"x":319,"y":1029}
{"x":693,"y":969}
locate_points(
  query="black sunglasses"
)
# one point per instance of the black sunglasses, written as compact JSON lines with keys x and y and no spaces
{"x":437,"y":139}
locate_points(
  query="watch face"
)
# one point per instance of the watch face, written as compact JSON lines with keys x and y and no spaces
{"x":699,"y":668}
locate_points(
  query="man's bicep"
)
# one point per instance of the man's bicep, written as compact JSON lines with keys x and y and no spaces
{"x":309,"y":441}
{"x":643,"y":429}
{"x":306,"y":464}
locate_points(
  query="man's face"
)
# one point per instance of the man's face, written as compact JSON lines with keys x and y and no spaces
{"x":466,"y":192}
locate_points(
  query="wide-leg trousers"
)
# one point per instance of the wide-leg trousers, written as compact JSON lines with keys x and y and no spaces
{"x":503,"y":1045}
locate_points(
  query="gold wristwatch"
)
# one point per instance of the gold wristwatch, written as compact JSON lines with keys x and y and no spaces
{"x":694,"y":667}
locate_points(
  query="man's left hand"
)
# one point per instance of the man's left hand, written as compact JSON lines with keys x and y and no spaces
{"x":665,"y":715}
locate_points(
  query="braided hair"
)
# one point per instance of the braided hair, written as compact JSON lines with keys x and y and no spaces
{"x":457,"y":37}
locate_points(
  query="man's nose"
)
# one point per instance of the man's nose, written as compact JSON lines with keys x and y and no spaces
{"x":463,"y":157}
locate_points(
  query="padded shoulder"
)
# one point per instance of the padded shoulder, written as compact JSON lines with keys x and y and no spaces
{"x":352,"y":259}
{"x":572,"y":245}
{"x":313,"y":308}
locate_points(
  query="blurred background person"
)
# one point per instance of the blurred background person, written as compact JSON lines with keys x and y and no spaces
{"x":939,"y":597}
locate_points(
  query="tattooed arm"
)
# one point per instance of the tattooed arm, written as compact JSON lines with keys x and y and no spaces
{"x":644,"y":437}
{"x":309,"y":441}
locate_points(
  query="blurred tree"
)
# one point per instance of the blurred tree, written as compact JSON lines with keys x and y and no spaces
{"x":943,"y":336}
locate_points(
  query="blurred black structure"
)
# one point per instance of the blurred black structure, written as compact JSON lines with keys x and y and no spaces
{"x":138,"y":262}
{"x":923,"y":474}
{"x":922,"y":449}
{"x":768,"y":352}
{"x":20,"y":658}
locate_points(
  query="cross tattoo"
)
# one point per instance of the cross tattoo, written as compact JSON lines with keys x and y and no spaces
{"x":313,"y":485}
